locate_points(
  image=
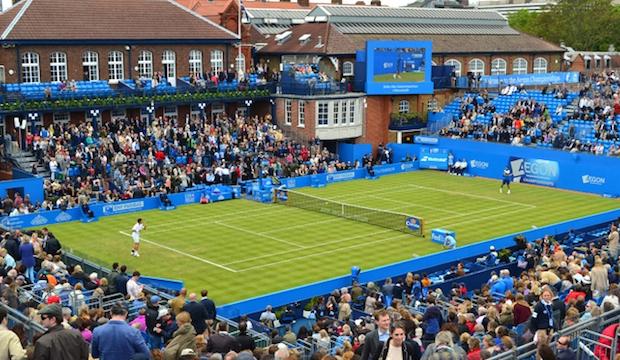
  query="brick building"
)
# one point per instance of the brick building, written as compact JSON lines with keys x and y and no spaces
{"x":473,"y":41}
{"x":50,"y":41}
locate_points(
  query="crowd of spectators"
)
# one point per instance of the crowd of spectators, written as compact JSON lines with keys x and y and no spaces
{"x":526,"y":118}
{"x":559,"y":284}
{"x":132,"y":158}
{"x":598,"y":105}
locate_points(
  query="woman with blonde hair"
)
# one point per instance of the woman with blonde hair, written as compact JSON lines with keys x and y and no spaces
{"x":183,"y":338}
{"x":598,"y":275}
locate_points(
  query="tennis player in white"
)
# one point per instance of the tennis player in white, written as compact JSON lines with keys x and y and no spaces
{"x":135,"y":235}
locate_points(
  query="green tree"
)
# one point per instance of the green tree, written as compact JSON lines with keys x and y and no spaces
{"x":525,"y":21}
{"x":580,"y":24}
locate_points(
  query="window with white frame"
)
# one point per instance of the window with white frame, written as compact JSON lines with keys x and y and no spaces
{"x":588,"y":61}
{"x":240,"y":63}
{"x":169,"y":64}
{"x":347,"y":68}
{"x":456,"y":64}
{"x":195,"y":62}
{"x":322,"y":113}
{"x":351,"y":111}
{"x":403,"y":106}
{"x":58,"y":66}
{"x":476,"y":66}
{"x":30,"y":68}
{"x":597,"y":61}
{"x":343,"y":112}
{"x":499,"y":67}
{"x":217,"y":61}
{"x":288,"y":111}
{"x":607,"y":61}
{"x":115,"y":65}
{"x":2,"y":127}
{"x":301,"y":113}
{"x":540,"y":65}
{"x":336,"y":111}
{"x":61,"y":118}
{"x":2,"y":75}
{"x":171,"y":112}
{"x":145,"y":64}
{"x":90,"y":65}
{"x":519,"y":66}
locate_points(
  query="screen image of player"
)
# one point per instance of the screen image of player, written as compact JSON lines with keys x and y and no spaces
{"x":399,"y":65}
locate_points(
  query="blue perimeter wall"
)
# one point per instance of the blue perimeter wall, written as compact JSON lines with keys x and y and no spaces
{"x":577,"y":171}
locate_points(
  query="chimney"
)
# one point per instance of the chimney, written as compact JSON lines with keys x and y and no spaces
{"x":336,"y":2}
{"x":360,"y":2}
{"x":303,"y":3}
{"x":375,"y":3}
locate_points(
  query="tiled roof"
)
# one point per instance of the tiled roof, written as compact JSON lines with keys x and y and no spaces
{"x":406,"y":12}
{"x":286,"y":14}
{"x":41,"y":20}
{"x":470,"y":44}
{"x":208,"y":8}
{"x":412,"y":28}
{"x":332,"y":41}
{"x":271,"y":29}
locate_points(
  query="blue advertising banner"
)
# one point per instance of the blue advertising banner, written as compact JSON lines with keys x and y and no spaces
{"x":398,"y":67}
{"x":533,"y":171}
{"x":427,"y":140}
{"x":561,"y":169}
{"x":529,"y":79}
{"x":433,"y":158}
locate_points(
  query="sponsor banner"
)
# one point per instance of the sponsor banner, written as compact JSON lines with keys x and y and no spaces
{"x":413,"y":223}
{"x":478,"y":164}
{"x":426,"y":140}
{"x":593,"y":180}
{"x":529,"y":79}
{"x":122,"y":207}
{"x":535,"y":171}
{"x":433,"y":159}
{"x":342,"y":176}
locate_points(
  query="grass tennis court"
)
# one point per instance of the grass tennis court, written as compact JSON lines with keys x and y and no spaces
{"x":239,"y":249}
{"x":416,"y":76}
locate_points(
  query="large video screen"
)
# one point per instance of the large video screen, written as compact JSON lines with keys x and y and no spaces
{"x":398,"y":67}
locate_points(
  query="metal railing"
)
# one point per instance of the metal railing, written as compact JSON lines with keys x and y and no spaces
{"x":573,"y":332}
{"x":31,"y":327}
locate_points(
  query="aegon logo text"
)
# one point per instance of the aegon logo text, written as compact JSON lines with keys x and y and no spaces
{"x":593,"y":180}
{"x":479,"y":164}
{"x":540,"y":169}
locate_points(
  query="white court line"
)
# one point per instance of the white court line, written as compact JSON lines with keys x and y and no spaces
{"x":467,"y":214}
{"x":411,"y":204}
{"x":183,"y":253}
{"x":309,"y":247}
{"x":321,"y":253}
{"x":257,"y":234}
{"x":470,"y":195}
{"x":484,"y":217}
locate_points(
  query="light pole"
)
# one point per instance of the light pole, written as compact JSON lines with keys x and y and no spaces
{"x":150,"y":109}
{"x":202,"y":106}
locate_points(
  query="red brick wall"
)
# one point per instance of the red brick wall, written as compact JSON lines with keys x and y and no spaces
{"x":8,"y":58}
{"x":377,"y":120}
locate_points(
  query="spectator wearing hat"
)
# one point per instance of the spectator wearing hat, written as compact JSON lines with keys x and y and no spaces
{"x":9,"y":342}
{"x":116,"y":339}
{"x":58,"y":343}
{"x":188,"y":354}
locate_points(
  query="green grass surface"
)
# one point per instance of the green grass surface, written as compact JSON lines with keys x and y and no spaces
{"x":239,"y":249}
{"x":404,"y":77}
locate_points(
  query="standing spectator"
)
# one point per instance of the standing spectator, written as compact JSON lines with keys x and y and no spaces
{"x":120,"y":282}
{"x":397,"y":347}
{"x":222,"y":342}
{"x":9,"y":342}
{"x":26,"y":252}
{"x":116,"y":339}
{"x":133,"y":288}
{"x":178,"y":302}
{"x":613,"y":241}
{"x":542,"y":316}
{"x":183,"y":338}
{"x":197,"y":312}
{"x":598,"y":275}
{"x":112,"y":278}
{"x":245,"y":341}
{"x":376,"y":339}
{"x":58,"y":343}
{"x":209,"y":306}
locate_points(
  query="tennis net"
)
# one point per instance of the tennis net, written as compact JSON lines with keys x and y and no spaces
{"x":388,"y":219}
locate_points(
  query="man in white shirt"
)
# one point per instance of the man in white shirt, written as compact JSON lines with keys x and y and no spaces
{"x":133,"y":288}
{"x":135,"y":235}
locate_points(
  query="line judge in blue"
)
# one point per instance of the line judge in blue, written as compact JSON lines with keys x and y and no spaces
{"x":507,"y":179}
{"x":449,"y":242}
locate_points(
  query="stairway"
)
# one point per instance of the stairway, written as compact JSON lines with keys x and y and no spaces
{"x":26,"y":159}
